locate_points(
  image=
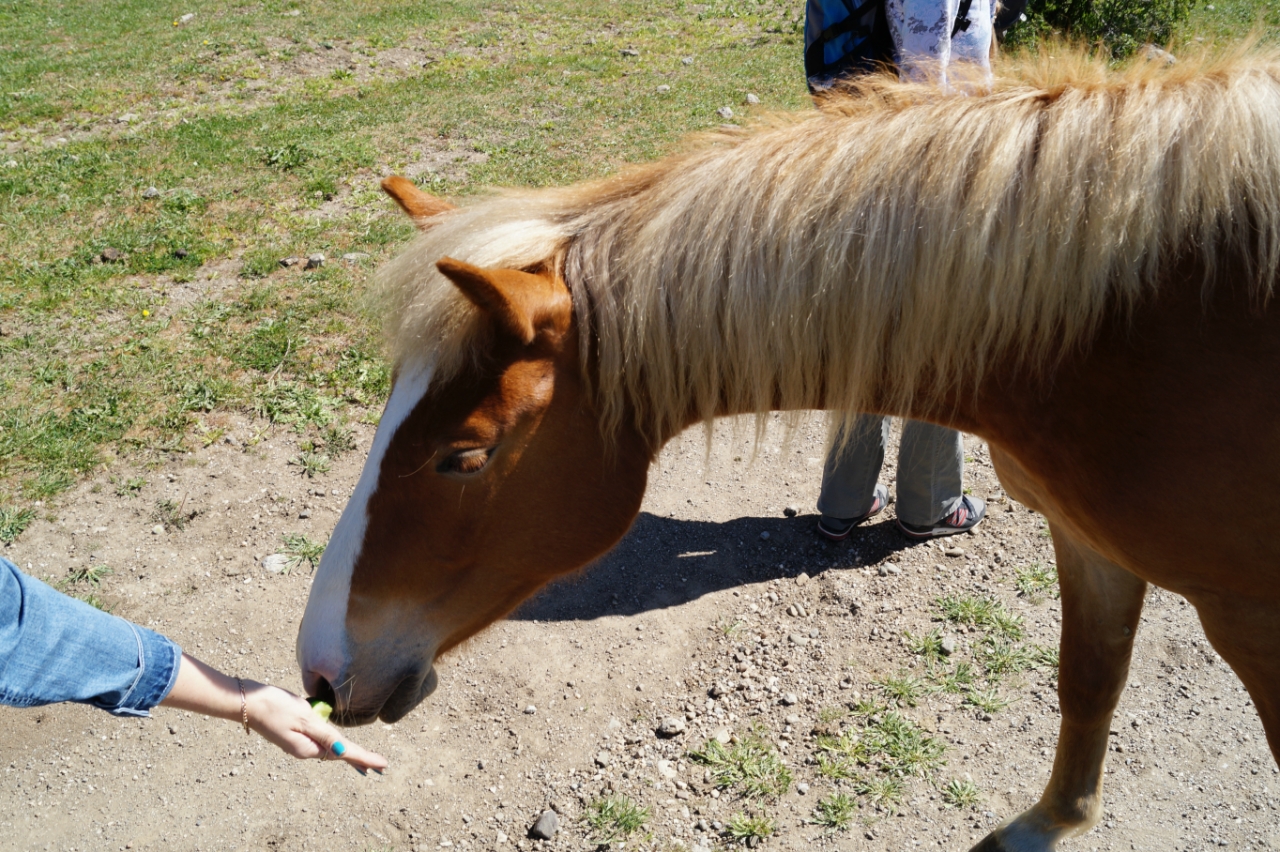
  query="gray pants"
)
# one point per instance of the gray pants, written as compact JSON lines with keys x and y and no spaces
{"x":930,"y":471}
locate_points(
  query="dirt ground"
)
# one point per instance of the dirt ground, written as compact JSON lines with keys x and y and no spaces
{"x":688,"y":617}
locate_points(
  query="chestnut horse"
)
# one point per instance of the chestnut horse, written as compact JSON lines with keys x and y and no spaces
{"x":1076,"y":267}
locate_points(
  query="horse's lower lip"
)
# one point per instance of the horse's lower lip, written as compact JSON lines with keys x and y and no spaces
{"x":408,"y":695}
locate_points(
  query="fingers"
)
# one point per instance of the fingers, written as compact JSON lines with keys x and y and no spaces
{"x":332,"y":745}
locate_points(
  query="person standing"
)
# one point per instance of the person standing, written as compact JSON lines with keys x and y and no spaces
{"x":924,"y":40}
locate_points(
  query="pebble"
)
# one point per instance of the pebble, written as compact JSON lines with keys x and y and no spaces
{"x":151,"y":192}
{"x":603,"y":759}
{"x":764,"y":536}
{"x":802,"y":578}
{"x":10,"y":164}
{"x":546,"y":826}
{"x":802,"y":788}
{"x":502,"y":838}
{"x":112,"y":255}
{"x":126,"y":118}
{"x":530,"y":710}
{"x":354,"y":256}
{"x":954,"y":551}
{"x":725,"y":112}
{"x":790,"y":698}
{"x":688,"y":60}
{"x":315,"y":261}
{"x":276,"y":563}
{"x":663,"y":89}
{"x":791,"y":511}
{"x":752,"y":99}
{"x":667,"y":770}
{"x":798,"y":639}
{"x":672,"y":726}
{"x":948,"y":646}
{"x":286,"y":262}
{"x":722,"y":736}
{"x":629,"y":51}
{"x":187,"y":17}
{"x":157,"y":529}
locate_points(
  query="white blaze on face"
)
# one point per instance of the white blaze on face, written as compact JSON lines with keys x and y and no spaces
{"x":322,"y":638}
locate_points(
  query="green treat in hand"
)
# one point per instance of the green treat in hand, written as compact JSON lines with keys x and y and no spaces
{"x":321,"y":708}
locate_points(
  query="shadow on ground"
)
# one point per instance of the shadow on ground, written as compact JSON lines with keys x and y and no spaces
{"x":665,"y":562}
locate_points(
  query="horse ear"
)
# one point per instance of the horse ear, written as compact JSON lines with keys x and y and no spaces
{"x":519,"y":302}
{"x":419,"y":205}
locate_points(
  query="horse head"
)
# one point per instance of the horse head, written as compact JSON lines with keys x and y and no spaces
{"x":479,"y":488}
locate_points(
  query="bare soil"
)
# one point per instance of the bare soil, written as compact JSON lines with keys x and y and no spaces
{"x":693,"y":598}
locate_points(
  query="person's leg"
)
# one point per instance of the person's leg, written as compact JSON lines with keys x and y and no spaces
{"x":850,"y":493}
{"x":930,"y":475}
{"x":922,"y":29}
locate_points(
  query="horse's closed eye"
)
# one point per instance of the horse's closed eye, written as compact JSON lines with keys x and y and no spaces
{"x":466,"y":461}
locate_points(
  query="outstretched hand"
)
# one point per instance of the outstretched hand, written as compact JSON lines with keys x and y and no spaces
{"x":289,"y":722}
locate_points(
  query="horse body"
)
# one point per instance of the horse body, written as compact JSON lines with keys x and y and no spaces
{"x":1115,"y":350}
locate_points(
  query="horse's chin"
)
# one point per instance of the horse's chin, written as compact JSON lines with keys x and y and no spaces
{"x":408,"y":695}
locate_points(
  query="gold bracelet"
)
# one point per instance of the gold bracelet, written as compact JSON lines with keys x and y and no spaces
{"x":244,"y":707}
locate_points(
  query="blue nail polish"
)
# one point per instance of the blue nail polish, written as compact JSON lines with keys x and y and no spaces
{"x":339,"y":749}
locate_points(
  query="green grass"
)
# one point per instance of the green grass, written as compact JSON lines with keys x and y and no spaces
{"x":959,"y":793}
{"x":953,"y":679}
{"x":744,"y":828}
{"x":887,"y":742}
{"x":1035,"y":581}
{"x":835,"y":812}
{"x":614,"y":818}
{"x":903,"y":689}
{"x":173,"y":516}
{"x":751,"y":767}
{"x":987,"y":700}
{"x":299,"y":548}
{"x":982,"y":612}
{"x":928,"y":646}
{"x":90,"y":574}
{"x":13,"y":521}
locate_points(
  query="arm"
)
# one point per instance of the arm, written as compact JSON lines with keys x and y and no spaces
{"x":280,"y":716}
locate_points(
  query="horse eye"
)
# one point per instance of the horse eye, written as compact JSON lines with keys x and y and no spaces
{"x":466,"y":461}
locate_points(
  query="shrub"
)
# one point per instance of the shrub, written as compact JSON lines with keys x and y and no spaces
{"x":1119,"y":26}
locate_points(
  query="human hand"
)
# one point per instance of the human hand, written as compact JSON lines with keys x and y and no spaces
{"x":289,"y":722}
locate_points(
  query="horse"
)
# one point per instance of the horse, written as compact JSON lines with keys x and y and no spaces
{"x":1077,"y":267}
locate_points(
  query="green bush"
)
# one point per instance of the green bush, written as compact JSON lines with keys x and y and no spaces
{"x":1119,"y":26}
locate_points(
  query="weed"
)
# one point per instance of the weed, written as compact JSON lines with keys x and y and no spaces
{"x":1044,"y":657}
{"x":750,"y":766}
{"x":293,"y":404}
{"x":130,"y":487}
{"x":614,"y":818}
{"x":987,"y":700}
{"x":884,"y":792}
{"x":1001,"y":657}
{"x":954,"y":680}
{"x":903,"y":689}
{"x":1034,"y":580}
{"x":171,"y":514}
{"x":287,"y":157}
{"x":835,"y":812}
{"x":960,"y":794}
{"x":827,"y":715}
{"x":890,"y":742}
{"x":928,"y":646}
{"x":986,"y":613}
{"x":338,"y":440}
{"x":750,"y":828}
{"x":13,"y":521}
{"x":91,"y":574}
{"x":728,"y":628}
{"x":260,"y":262}
{"x":94,"y":601}
{"x":301,"y":549}
{"x":312,"y":464}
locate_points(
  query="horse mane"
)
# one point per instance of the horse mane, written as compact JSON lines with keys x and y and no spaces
{"x":894,"y":242}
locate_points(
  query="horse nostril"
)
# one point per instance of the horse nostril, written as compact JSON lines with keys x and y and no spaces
{"x":324,"y":691}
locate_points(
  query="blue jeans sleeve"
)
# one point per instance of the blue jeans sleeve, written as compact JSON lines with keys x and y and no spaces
{"x":55,"y":648}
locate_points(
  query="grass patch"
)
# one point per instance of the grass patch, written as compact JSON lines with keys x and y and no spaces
{"x":614,"y":818}
{"x":13,"y":521}
{"x":1035,"y":581}
{"x":299,"y":548}
{"x":887,"y":742}
{"x":835,"y":812}
{"x":987,"y":700}
{"x":953,"y":679}
{"x":746,"y":829}
{"x":751,"y":767}
{"x":903,"y":689}
{"x":311,"y":464}
{"x":959,"y":793}
{"x":928,"y":646}
{"x":982,"y":612}
{"x":173,"y":516}
{"x":90,"y":574}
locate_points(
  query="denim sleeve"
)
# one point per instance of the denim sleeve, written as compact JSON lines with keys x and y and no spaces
{"x":55,"y":648}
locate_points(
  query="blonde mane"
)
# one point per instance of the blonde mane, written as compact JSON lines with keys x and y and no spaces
{"x":894,"y":242}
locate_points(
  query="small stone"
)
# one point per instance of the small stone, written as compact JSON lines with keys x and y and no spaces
{"x":791,"y":511}
{"x":157,"y":529}
{"x":798,"y":639}
{"x":725,"y":112}
{"x":883,"y":571}
{"x":151,"y":192}
{"x":629,"y":51}
{"x":276,"y":563}
{"x":891,"y":568}
{"x":315,"y":261}
{"x":672,"y":726}
{"x":720,"y":689}
{"x":792,"y":611}
{"x":545,"y":827}
{"x":813,"y":634}
{"x":688,"y":60}
{"x":181,"y":253}
{"x":793,"y":720}
{"x":502,"y":838}
{"x":286,"y":262}
{"x":948,"y":646}
{"x":112,"y":255}
{"x":663,"y":89}
{"x":667,"y":770}
{"x":126,"y":118}
{"x":802,"y":788}
{"x":354,"y":256}
{"x":530,"y":710}
{"x":764,"y":536}
{"x":480,"y":764}
{"x":790,"y":698}
{"x":722,"y":736}
{"x":304,"y":514}
{"x":1155,"y":54}
{"x":187,"y":17}
{"x":954,"y":551}
{"x":802,"y":579}
{"x":603,"y":759}
{"x":752,"y":99}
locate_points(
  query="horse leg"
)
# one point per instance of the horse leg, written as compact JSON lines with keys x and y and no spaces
{"x":1101,"y":603}
{"x":1244,"y":632}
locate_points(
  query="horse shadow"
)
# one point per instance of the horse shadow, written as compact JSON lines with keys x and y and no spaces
{"x":664,"y":562}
